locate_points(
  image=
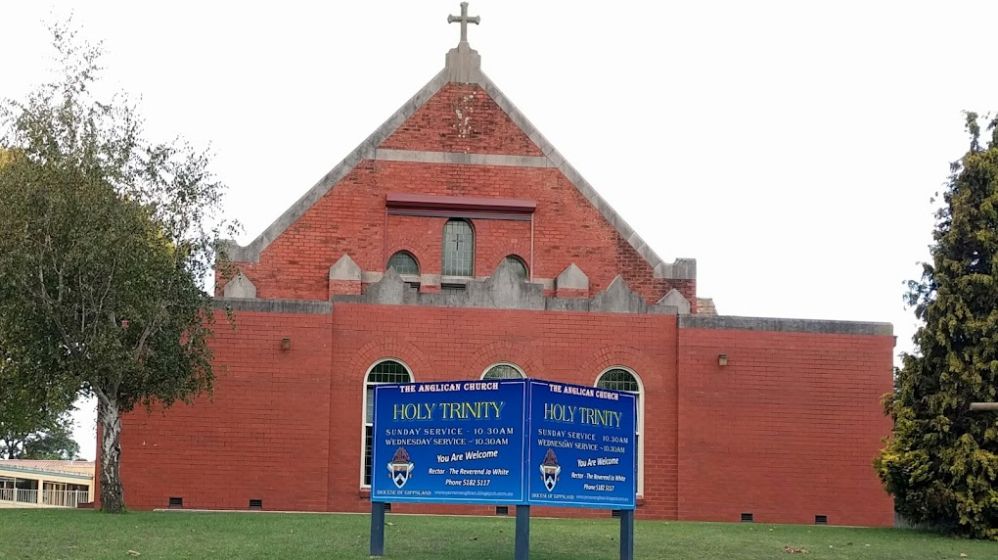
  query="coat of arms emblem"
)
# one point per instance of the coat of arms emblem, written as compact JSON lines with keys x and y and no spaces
{"x":400,"y":467}
{"x":550,"y":469}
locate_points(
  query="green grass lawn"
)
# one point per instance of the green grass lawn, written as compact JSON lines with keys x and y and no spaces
{"x":146,"y":535}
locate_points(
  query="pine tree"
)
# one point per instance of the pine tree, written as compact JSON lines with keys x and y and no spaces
{"x":941,"y":463}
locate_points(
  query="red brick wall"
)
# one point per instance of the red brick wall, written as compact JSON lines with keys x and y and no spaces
{"x":448,"y":343}
{"x":787,"y":430}
{"x":351,"y":217}
{"x":261,"y":434}
{"x":462,"y":118}
{"x":286,"y":427}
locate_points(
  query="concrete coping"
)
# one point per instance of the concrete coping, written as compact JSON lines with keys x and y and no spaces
{"x":307,"y":307}
{"x":239,"y":287}
{"x":784,"y":325}
{"x":572,"y":278}
{"x":677,"y":300}
{"x":345,"y":269}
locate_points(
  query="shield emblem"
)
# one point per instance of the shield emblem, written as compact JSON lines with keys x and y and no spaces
{"x":400,"y":468}
{"x":550,"y":469}
{"x":400,"y":473}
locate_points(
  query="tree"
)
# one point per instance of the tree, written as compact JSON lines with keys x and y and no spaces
{"x":34,"y":422}
{"x":49,"y":436}
{"x":29,"y":411}
{"x":106,"y":240}
{"x":941,"y":463}
{"x":54,"y":443}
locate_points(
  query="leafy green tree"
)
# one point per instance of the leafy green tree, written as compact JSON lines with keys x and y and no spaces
{"x":33,"y":409}
{"x":55,"y":443}
{"x":106,"y":240}
{"x":941,"y":463}
{"x":49,"y":436}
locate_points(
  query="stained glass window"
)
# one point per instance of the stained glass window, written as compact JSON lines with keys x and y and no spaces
{"x":404,"y":263}
{"x":459,"y":249}
{"x":620,"y":380}
{"x":503,"y":371}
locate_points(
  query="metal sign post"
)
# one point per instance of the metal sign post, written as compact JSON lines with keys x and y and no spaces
{"x":522,"y":551}
{"x":377,"y":528}
{"x":627,"y":534}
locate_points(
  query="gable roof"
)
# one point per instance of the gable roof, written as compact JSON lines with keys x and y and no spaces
{"x":463,"y":66}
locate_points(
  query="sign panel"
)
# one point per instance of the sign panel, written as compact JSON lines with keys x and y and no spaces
{"x":504,"y":442}
{"x":581,"y":450}
{"x":453,"y":442}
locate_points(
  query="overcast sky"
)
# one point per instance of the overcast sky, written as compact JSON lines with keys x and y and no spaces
{"x":792,"y":147}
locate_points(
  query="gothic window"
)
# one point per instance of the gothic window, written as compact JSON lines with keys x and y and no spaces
{"x":518,"y":265}
{"x":404,"y":263}
{"x":459,"y":249}
{"x":386,"y":371}
{"x":503,"y":371}
{"x":621,"y":379}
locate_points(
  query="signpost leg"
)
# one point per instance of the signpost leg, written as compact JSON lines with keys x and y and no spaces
{"x":377,"y":528}
{"x":522,"y":533}
{"x":627,"y":534}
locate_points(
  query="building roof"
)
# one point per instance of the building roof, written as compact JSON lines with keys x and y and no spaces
{"x":38,"y":466}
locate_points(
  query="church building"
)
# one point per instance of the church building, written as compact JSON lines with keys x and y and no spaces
{"x":456,"y":243}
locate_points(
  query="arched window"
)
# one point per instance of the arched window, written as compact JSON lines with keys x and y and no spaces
{"x":459,"y":249}
{"x":503,"y":371}
{"x":621,"y":379}
{"x":518,"y":265}
{"x":404,"y":263}
{"x":385,"y":371}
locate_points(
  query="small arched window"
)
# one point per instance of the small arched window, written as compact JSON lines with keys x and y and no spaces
{"x":404,"y":263}
{"x":518,"y":265}
{"x":385,"y":371}
{"x":459,"y":249}
{"x":620,"y":379}
{"x":503,"y":371}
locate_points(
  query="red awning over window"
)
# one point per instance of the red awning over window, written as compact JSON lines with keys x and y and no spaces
{"x":406,"y":204}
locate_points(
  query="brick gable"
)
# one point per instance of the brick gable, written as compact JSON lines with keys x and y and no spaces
{"x":462,"y":118}
{"x":458,"y":136}
{"x":350,"y":217}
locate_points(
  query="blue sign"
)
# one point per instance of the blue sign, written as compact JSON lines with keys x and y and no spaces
{"x":581,"y":450}
{"x":459,"y":442}
{"x":504,"y":442}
